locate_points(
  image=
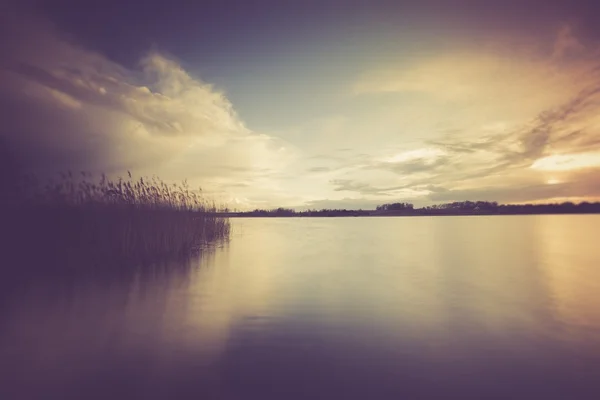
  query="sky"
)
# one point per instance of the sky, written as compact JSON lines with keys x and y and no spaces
{"x":310,"y":104}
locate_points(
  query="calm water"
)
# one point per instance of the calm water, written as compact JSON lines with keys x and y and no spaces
{"x":353,"y":308}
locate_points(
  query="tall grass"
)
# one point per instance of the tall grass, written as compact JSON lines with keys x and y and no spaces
{"x":77,"y":219}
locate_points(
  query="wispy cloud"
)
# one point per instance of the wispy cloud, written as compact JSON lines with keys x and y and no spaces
{"x":540,"y":117}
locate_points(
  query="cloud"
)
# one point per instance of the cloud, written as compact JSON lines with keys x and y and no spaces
{"x":559,"y":125}
{"x":463,"y":75}
{"x":495,"y":122}
{"x":567,"y":162}
{"x":509,"y":78}
{"x":583,"y":185}
{"x":510,"y":165}
{"x":412,"y":162}
{"x":501,"y":122}
{"x":566,"y":43}
{"x":347,"y":185}
{"x":319,"y":169}
{"x":66,"y":107}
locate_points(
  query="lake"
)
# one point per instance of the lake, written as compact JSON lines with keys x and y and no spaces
{"x":498,"y":307}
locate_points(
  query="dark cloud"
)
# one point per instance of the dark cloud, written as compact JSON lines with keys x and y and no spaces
{"x":568,"y":128}
{"x":535,"y":140}
{"x":551,"y":129}
{"x":66,"y":107}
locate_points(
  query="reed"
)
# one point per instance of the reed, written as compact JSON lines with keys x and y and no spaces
{"x":77,"y":219}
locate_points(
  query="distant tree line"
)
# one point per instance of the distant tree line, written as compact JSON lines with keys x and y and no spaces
{"x":454,"y":208}
{"x":395,"y":207}
{"x":491,"y":208}
{"x":288,"y":212}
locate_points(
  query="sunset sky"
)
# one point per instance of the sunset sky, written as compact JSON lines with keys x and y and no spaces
{"x":311,"y":104}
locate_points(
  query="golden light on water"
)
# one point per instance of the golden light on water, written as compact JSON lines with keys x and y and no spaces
{"x":566,"y":265}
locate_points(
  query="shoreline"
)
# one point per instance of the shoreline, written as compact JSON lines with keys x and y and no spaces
{"x":374,"y":214}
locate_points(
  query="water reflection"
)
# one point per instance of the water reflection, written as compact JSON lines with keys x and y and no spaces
{"x":477,"y":307}
{"x":571,"y":258}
